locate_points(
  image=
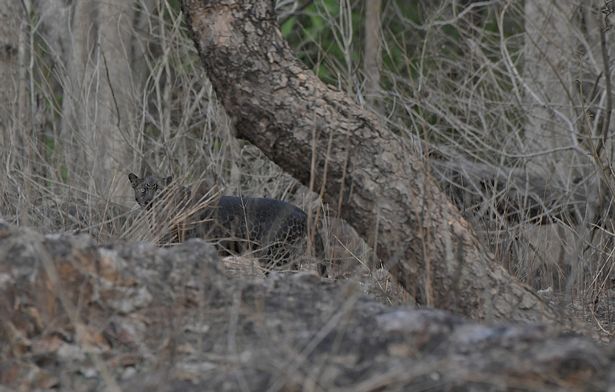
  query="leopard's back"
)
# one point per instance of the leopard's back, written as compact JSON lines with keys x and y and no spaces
{"x":274,"y":230}
{"x":261,"y":219}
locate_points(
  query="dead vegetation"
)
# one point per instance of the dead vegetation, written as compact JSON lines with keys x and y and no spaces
{"x":458,"y":97}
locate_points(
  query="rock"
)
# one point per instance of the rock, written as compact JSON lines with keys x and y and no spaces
{"x":139,"y":317}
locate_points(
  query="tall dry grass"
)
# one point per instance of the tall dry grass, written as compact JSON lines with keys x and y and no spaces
{"x":447,"y":83}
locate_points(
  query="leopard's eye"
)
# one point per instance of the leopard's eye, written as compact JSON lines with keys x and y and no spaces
{"x":142,"y":190}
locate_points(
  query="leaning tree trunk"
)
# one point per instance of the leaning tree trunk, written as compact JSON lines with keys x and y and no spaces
{"x":372,"y":176}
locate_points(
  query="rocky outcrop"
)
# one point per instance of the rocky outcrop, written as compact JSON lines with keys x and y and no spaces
{"x":75,"y":315}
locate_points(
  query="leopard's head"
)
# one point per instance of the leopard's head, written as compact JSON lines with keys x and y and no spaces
{"x":146,"y":188}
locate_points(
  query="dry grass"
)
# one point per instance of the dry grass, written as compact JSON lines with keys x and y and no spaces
{"x":450,"y":83}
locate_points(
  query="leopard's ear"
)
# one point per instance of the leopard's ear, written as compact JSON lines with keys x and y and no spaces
{"x":134,"y":180}
{"x":168,"y":180}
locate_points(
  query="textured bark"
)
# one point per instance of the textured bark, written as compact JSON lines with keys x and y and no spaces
{"x":549,"y":51}
{"x":98,"y":86}
{"x":15,"y":127}
{"x":369,"y":174}
{"x":556,"y":136}
{"x":10,"y":15}
{"x":113,"y":123}
{"x":9,"y":43}
{"x":74,"y":42}
{"x":372,"y":52}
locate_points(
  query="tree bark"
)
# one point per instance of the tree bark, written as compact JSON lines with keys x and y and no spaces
{"x":372,"y":52}
{"x":370,"y":175}
{"x":549,"y":51}
{"x":114,"y":122}
{"x":549,"y":75}
{"x":15,"y":127}
{"x":98,"y":106}
{"x":562,"y":141}
{"x":9,"y":75}
{"x":10,"y":15}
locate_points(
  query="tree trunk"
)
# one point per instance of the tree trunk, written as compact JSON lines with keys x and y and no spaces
{"x":549,"y":51}
{"x":9,"y":43}
{"x":370,"y":175}
{"x":558,"y":139}
{"x":114,"y":121}
{"x":372,"y":53}
{"x":10,"y":15}
{"x":98,"y":107}
{"x":15,"y":128}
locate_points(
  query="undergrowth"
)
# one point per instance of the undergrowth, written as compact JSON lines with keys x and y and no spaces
{"x":451,"y":81}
